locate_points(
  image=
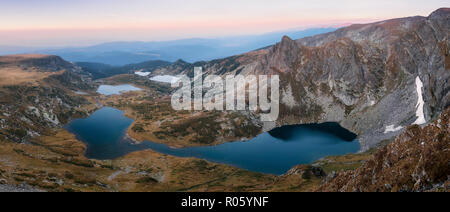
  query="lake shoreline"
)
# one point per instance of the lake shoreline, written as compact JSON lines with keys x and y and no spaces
{"x":275,"y":152}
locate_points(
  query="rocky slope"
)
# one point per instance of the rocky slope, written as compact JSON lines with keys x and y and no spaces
{"x":370,"y":78}
{"x":418,"y":160}
{"x":38,"y":93}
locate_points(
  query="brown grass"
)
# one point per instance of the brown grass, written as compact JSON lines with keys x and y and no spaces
{"x":21,"y":57}
{"x":16,"y":75}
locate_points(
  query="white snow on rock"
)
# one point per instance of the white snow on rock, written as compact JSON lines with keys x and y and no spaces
{"x":143,"y":74}
{"x":419,"y":111}
{"x":420,"y":103}
{"x":165,"y":78}
{"x":392,"y":128}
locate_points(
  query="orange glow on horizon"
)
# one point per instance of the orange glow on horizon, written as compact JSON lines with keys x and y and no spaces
{"x":88,"y":21}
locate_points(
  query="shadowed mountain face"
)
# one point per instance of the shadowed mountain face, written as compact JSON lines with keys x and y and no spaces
{"x":362,"y":76}
{"x":287,"y":132}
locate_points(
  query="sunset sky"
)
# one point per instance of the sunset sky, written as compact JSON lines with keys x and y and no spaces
{"x":86,"y":22}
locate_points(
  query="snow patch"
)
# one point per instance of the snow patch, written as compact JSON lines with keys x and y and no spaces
{"x":80,"y":93}
{"x":143,"y":74}
{"x":165,"y":78}
{"x":420,"y":103}
{"x":392,"y":128}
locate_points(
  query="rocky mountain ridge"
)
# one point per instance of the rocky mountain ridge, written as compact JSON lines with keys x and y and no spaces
{"x":365,"y":76}
{"x":45,"y":63}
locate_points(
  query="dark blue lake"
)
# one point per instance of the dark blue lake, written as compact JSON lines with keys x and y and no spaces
{"x":274,"y":152}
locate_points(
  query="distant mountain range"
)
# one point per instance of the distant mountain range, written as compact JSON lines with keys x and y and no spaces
{"x":101,"y":70}
{"x":190,"y":50}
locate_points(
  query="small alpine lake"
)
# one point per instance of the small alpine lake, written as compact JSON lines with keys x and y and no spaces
{"x":274,"y":152}
{"x":116,"y":89}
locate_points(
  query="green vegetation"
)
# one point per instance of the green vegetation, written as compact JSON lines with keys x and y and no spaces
{"x":146,"y":180}
{"x":343,"y":163}
{"x":205,"y":129}
{"x":138,"y":128}
{"x":21,"y":133}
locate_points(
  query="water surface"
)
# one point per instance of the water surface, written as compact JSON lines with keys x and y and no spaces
{"x":274,"y":152}
{"x":116,"y":89}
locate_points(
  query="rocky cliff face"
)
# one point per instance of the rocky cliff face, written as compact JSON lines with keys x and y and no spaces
{"x":369,"y":77}
{"x":416,"y":161}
